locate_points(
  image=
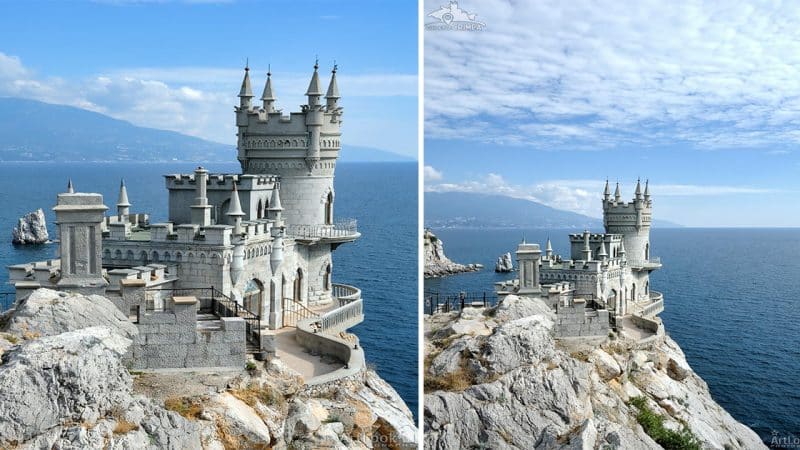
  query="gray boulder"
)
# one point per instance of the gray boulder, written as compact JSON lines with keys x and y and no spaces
{"x":47,"y":313}
{"x":31,"y":229}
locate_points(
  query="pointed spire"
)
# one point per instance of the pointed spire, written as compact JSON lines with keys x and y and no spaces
{"x":275,"y":200}
{"x":70,"y":189}
{"x":314,"y":88}
{"x":647,"y":190}
{"x":548,"y":251}
{"x":333,"y":87}
{"x":235,"y":207}
{"x":245,"y":93}
{"x":268,"y":97}
{"x":607,"y":191}
{"x":638,"y":188}
{"x":123,"y":194}
{"x":617,"y":195}
{"x":602,"y":253}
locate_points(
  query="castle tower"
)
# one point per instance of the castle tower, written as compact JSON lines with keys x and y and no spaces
{"x":631,"y":220}
{"x":528,"y":256}
{"x":201,"y":210}
{"x":302,"y":148}
{"x":79,"y":217}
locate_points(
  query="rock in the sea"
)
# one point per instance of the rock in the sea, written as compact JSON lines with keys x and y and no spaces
{"x":504,"y":264}
{"x":437,"y":264}
{"x":31,"y":229}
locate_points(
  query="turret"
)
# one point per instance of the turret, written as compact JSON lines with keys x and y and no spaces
{"x":276,"y":256}
{"x":606,"y":192}
{"x":638,"y":189}
{"x":587,"y":250}
{"x":275,"y":210}
{"x":647,"y":192}
{"x":528,"y":256}
{"x":332,"y":97}
{"x":548,"y":251}
{"x":80,"y":217}
{"x":201,"y":210}
{"x":235,"y":211}
{"x":245,"y":93}
{"x":70,"y":189}
{"x":123,"y":205}
{"x":268,"y":97}
{"x":602,"y":255}
{"x":314,"y":91}
{"x":617,"y":195}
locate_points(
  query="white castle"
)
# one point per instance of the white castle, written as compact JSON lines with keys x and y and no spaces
{"x":605,"y":283}
{"x":240,"y":256}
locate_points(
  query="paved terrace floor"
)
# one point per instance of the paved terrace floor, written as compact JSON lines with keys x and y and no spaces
{"x":297,"y":357}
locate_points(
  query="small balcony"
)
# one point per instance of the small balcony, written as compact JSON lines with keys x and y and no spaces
{"x":345,"y":293}
{"x":645,"y":264}
{"x":652,"y":308}
{"x":339,"y":232}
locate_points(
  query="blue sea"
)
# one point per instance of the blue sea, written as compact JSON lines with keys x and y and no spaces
{"x":383,"y":262}
{"x":732,"y":299}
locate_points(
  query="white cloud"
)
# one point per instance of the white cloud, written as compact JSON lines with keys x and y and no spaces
{"x":582,"y":196}
{"x":432,"y":174}
{"x":197,"y":101}
{"x":554,"y":74}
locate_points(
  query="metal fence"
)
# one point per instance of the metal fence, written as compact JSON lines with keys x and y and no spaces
{"x":345,"y":228}
{"x":222,"y":306}
{"x":441,"y":302}
{"x":294,"y":311}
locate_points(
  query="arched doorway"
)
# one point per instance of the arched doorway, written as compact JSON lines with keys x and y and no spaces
{"x":329,"y":209}
{"x":252,"y":297}
{"x":612,"y":300}
{"x":298,"y":286}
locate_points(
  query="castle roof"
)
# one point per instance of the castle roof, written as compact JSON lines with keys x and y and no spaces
{"x":314,"y":87}
{"x":235,"y":208}
{"x":333,"y":87}
{"x":245,"y":91}
{"x":123,"y":195}
{"x":268,"y":94}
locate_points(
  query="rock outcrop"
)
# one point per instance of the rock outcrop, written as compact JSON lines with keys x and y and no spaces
{"x":515,"y":387}
{"x":504,"y":264}
{"x":437,"y":264}
{"x":31,"y":229}
{"x":64,"y":384}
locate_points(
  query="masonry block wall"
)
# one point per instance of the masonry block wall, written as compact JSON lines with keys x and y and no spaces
{"x":171,"y":339}
{"x":574,"y":320}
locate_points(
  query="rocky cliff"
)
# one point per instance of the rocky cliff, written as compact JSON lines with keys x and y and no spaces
{"x":504,"y":263}
{"x":64,"y":384}
{"x":31,"y":229}
{"x":497,"y":379}
{"x":437,"y":264}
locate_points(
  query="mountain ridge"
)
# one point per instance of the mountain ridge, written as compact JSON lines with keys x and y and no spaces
{"x":478,"y":210}
{"x":32,"y":131}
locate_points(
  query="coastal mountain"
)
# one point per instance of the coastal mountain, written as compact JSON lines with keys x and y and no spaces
{"x":35,"y":131}
{"x":474,"y":210}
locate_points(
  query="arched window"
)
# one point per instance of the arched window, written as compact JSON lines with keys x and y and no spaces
{"x":647,"y":251}
{"x":252,"y":296}
{"x":298,"y":286}
{"x":266,"y":207}
{"x":329,"y":209}
{"x":259,"y":210}
{"x":326,"y":281}
{"x":633,"y":292}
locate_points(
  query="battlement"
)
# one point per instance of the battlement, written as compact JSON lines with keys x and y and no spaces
{"x":223,"y":181}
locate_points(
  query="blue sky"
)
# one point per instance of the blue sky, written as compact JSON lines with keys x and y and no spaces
{"x":178,"y":64}
{"x":552,"y":98}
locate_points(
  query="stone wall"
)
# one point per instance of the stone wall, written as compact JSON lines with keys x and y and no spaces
{"x":575,"y":320}
{"x":170,"y":339}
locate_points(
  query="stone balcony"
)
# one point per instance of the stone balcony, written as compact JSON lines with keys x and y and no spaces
{"x":340,"y":232}
{"x":345,"y":293}
{"x":650,"y":308}
{"x":645,"y":264}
